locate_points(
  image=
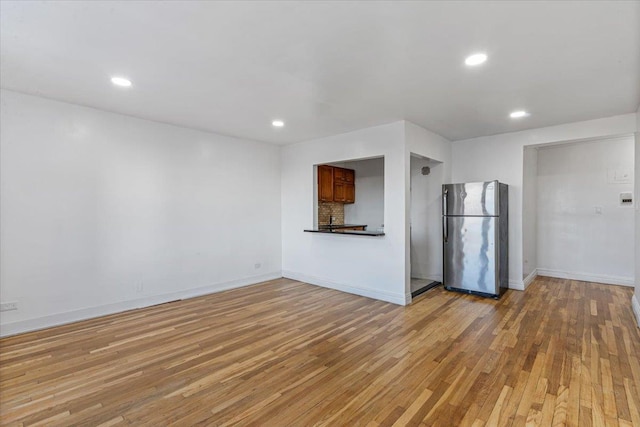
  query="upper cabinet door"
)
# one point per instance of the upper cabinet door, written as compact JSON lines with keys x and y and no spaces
{"x":349,"y":193}
{"x":339,"y":192}
{"x":325,"y":183}
{"x":349,"y":176}
{"x":344,"y":175}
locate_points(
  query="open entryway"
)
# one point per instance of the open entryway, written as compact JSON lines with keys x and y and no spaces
{"x":425,"y":224}
{"x":578,"y":211}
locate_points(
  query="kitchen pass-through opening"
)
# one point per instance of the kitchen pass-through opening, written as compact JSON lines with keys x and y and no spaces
{"x":349,"y":196}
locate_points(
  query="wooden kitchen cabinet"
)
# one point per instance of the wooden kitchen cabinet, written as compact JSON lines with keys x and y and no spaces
{"x":339,"y":192}
{"x":350,"y":193}
{"x":344,"y":188}
{"x":336,"y":184}
{"x":344,"y":175}
{"x":325,"y":183}
{"x":344,"y":192}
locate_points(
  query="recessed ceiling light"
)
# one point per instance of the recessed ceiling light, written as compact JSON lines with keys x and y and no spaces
{"x":475,"y":59}
{"x":121,"y":81}
{"x":277,"y":123}
{"x":518,"y":114}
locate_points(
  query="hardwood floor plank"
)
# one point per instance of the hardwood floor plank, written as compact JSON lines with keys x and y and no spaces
{"x":631,"y":391}
{"x":287,"y":353}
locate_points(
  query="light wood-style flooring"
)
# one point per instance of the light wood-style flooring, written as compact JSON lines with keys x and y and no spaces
{"x":284,"y":353}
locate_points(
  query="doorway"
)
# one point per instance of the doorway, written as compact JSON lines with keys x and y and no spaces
{"x":578,"y":219}
{"x":425,"y":246}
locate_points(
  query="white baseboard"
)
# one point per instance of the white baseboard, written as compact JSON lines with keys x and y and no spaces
{"x":530,"y":278}
{"x":58,"y":319}
{"x":518,"y":285}
{"x":521,"y":285}
{"x":400,"y":299}
{"x":596,"y":278}
{"x":636,"y":308}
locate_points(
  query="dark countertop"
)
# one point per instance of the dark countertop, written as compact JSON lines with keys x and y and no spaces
{"x":341,"y":231}
{"x":337,"y":226}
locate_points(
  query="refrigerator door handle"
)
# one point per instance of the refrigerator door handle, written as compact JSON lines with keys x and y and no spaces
{"x":445,"y":227}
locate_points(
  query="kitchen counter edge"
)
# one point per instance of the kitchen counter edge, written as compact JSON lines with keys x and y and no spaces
{"x":349,"y":232}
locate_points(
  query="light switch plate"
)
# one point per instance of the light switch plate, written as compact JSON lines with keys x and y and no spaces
{"x":619,"y":176}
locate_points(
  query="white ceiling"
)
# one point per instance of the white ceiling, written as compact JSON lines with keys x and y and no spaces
{"x":329,"y":67}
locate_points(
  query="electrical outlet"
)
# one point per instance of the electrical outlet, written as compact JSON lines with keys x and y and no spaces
{"x":139,"y":287}
{"x":8,"y":306}
{"x":257,"y":265}
{"x":626,"y":199}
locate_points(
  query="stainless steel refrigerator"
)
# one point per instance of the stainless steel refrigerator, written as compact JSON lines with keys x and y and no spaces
{"x":475,"y":222}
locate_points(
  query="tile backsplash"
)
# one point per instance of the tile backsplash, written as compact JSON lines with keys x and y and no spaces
{"x":329,"y":209}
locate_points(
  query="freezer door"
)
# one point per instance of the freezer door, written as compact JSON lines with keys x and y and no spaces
{"x":472,"y":198}
{"x":470,"y":261}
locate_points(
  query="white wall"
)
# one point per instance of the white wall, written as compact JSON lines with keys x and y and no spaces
{"x":95,"y":205}
{"x":501,"y":157}
{"x":369,"y":205}
{"x":370,"y":266}
{"x":636,"y":298}
{"x":529,"y":213}
{"x":426,"y":219}
{"x":378,"y":267}
{"x":574,"y":241}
